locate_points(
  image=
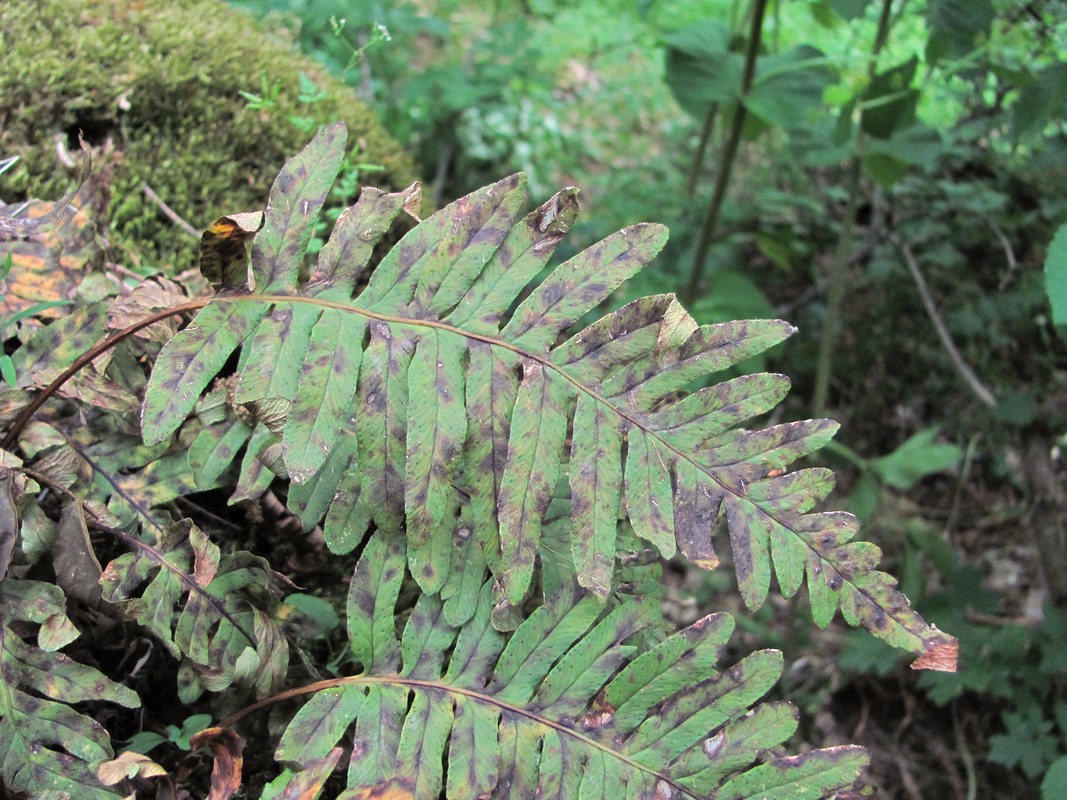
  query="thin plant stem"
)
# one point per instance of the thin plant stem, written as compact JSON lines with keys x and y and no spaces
{"x":842,"y":253}
{"x":702,"y":148}
{"x":729,"y":153}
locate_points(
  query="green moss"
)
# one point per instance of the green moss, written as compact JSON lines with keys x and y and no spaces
{"x":162,"y":80}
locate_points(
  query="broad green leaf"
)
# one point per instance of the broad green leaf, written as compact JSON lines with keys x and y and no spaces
{"x":788,"y":87}
{"x":1056,"y":276}
{"x":214,"y":449}
{"x":956,"y":27}
{"x":702,"y":70}
{"x":916,"y":458}
{"x":276,"y":354}
{"x":888,"y":102}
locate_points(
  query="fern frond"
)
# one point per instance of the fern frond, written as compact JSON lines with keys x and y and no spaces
{"x":46,"y":744}
{"x":566,"y":706}
{"x":222,"y":637}
{"x":461,"y":379}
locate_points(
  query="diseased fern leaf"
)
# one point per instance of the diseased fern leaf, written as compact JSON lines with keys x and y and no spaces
{"x":222,"y":637}
{"x":566,"y":706}
{"x":462,"y":379}
{"x":46,"y":745}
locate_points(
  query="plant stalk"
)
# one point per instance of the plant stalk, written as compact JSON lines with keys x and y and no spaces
{"x":839,"y":268}
{"x":702,"y":148}
{"x":729,"y":153}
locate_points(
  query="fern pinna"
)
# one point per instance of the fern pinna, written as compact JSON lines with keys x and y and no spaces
{"x":450,"y":379}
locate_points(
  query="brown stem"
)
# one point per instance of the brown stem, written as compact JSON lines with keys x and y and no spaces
{"x":87,"y":357}
{"x":702,"y":147}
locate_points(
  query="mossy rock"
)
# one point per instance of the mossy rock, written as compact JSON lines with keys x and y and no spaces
{"x":162,"y":81}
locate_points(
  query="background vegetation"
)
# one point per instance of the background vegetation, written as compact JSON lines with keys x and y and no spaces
{"x":892,"y":188}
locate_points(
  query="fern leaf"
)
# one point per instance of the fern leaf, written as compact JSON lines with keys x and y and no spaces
{"x":520,"y":258}
{"x":596,"y":492}
{"x":46,"y":745}
{"x":535,"y":451}
{"x":579,"y":285}
{"x":568,"y":706}
{"x":193,"y":358}
{"x":222,"y":637}
{"x":296,"y":198}
{"x":464,"y":379}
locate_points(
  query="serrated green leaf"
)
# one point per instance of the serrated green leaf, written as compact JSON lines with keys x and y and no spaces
{"x":276,"y":353}
{"x":492,"y":387}
{"x":381,"y":423}
{"x":322,"y":721}
{"x":436,"y":429}
{"x":371,"y":596}
{"x":214,"y":449}
{"x":577,"y":286}
{"x":344,"y":257}
{"x":327,"y":386}
{"x":376,"y":736}
{"x":814,"y":775}
{"x":520,"y":258}
{"x":711,"y":348}
{"x":441,"y":297}
{"x":647,"y":492}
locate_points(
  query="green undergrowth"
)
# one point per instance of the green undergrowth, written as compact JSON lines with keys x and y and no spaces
{"x":501,"y":479}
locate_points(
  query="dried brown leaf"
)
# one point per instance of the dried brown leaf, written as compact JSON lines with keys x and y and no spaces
{"x":227,"y":748}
